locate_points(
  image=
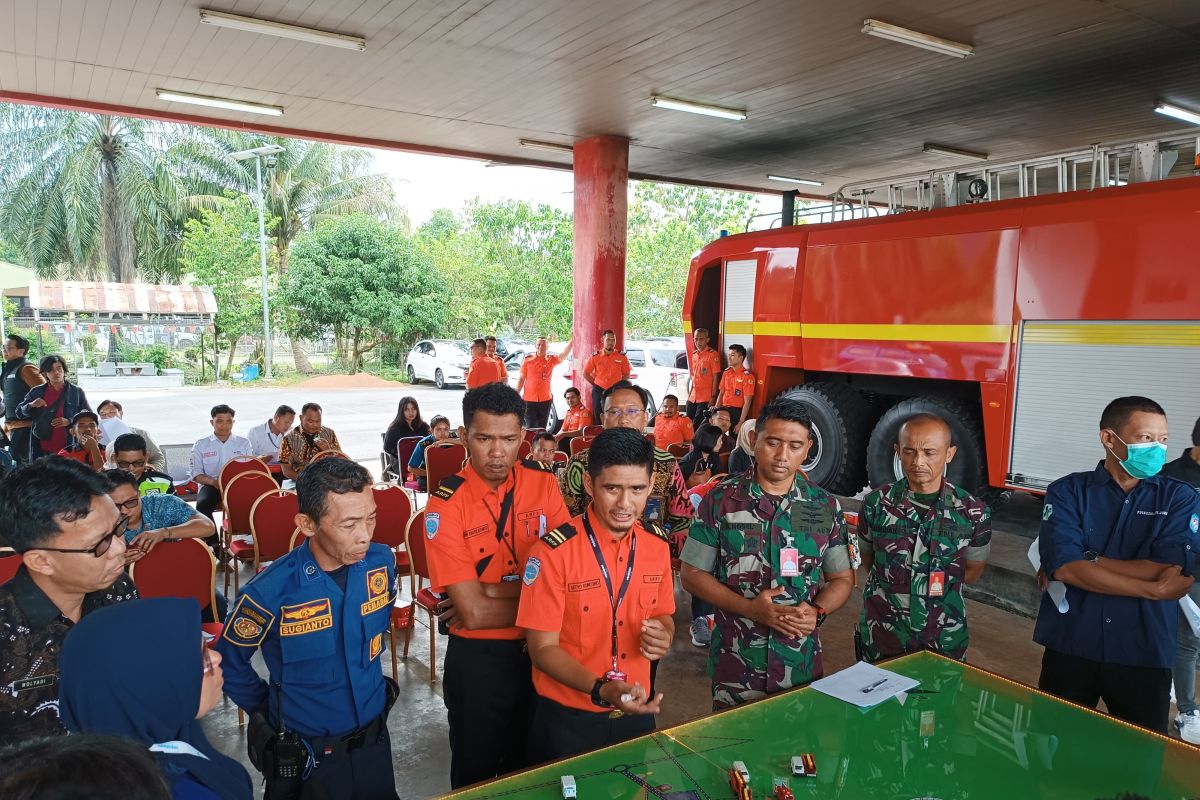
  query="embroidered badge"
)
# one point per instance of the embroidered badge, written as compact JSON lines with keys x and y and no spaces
{"x":432,"y":520}
{"x":1195,"y":523}
{"x":532,"y":568}
{"x":302,"y":618}
{"x":248,"y":623}
{"x":376,"y":646}
{"x":1047,"y":511}
{"x":377,"y":594}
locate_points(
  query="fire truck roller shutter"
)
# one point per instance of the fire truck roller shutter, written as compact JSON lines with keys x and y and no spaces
{"x":969,"y":467}
{"x":841,"y":419}
{"x":1067,"y":371}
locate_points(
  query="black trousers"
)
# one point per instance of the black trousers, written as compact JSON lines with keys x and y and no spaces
{"x":208,"y":500}
{"x":362,"y":774}
{"x":695,"y":411}
{"x":537,"y":414}
{"x":559,"y":731}
{"x":1139,"y":695}
{"x":19,"y":442}
{"x":735,"y":416}
{"x":488,"y":691}
{"x":597,"y":403}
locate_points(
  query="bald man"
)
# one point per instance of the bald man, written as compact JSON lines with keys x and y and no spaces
{"x":922,"y":538}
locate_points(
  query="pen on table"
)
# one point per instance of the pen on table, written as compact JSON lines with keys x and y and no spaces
{"x":873,"y":686}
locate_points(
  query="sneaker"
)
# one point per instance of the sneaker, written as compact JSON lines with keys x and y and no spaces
{"x":701,"y":633}
{"x":1189,"y":723}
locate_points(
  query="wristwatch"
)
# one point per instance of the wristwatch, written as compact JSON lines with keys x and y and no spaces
{"x":596,"y":698}
{"x":820,"y":616}
{"x":1092,"y":556}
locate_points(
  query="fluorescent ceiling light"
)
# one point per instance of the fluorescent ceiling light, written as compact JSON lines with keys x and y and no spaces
{"x":301,"y":34}
{"x":957,"y":152}
{"x":894,"y":33}
{"x":1178,"y":113}
{"x":802,"y":181}
{"x":676,"y":104}
{"x":218,"y":102}
{"x":535,"y":144}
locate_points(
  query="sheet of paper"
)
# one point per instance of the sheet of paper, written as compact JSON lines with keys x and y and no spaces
{"x":111,"y":428}
{"x":1056,"y":589}
{"x":864,"y":685}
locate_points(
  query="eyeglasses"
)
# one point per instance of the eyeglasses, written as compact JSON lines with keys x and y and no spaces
{"x":98,"y":549}
{"x":131,"y":465}
{"x":631,"y":411}
{"x":130,"y":504}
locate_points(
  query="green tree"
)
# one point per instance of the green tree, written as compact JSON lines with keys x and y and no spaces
{"x":668,"y":223}
{"x":86,"y":195}
{"x":220,"y":250}
{"x":368,"y":281}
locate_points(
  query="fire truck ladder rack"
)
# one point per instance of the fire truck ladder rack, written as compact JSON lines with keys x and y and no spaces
{"x":1102,"y":164}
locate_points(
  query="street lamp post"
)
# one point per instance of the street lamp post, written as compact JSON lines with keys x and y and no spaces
{"x":258,"y":153}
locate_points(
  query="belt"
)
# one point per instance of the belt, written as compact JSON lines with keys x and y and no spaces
{"x":328,"y":746}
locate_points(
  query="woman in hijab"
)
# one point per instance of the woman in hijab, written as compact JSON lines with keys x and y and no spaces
{"x":178,"y":681}
{"x":742,"y":458}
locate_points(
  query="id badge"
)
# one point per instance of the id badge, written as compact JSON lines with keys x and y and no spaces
{"x":937,"y":583}
{"x":615,"y":675}
{"x":789,"y":562}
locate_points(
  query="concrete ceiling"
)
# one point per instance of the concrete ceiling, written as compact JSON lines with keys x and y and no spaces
{"x":824,"y":100}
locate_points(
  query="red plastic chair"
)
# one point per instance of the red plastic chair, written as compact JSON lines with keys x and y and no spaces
{"x":327,"y":454}
{"x":649,"y":437}
{"x":394,"y":511}
{"x":423,"y":598}
{"x":404,"y":450}
{"x":532,"y":433}
{"x":560,"y":457}
{"x":592,"y":431}
{"x":524,"y":450}
{"x":679,"y":449}
{"x":441,"y":461}
{"x":580,"y":443}
{"x":273,"y":525}
{"x":240,"y":496}
{"x":10,"y":562}
{"x":238,"y":466}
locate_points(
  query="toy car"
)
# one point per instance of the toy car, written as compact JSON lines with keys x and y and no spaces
{"x":782,"y":790}
{"x":568,"y":787}
{"x":739,"y":781}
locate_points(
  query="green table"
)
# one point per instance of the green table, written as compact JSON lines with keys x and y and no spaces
{"x":965,"y":733}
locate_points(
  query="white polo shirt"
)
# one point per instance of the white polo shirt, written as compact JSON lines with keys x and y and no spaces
{"x":210,"y":453}
{"x":265,"y":442}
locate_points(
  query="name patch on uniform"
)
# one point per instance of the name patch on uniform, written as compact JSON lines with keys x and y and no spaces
{"x":583,"y":586}
{"x":25,"y":684}
{"x":376,"y":646}
{"x":432,"y":521}
{"x":478,"y":531}
{"x":304,"y":618}
{"x":533,"y":568}
{"x":377,"y":590}
{"x":525,"y":516}
{"x":652,"y":579}
{"x":248,"y":623}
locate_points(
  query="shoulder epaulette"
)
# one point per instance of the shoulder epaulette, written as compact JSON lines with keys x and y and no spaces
{"x":534,"y":464}
{"x":655,"y":529}
{"x":448,"y":487}
{"x":559,"y":535}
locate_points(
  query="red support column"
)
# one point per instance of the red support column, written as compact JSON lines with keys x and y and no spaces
{"x":601,"y":219}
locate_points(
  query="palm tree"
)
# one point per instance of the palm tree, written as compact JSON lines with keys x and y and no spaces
{"x":310,"y":182}
{"x":98,"y":196}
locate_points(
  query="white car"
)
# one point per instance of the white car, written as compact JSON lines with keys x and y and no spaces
{"x":655,"y":367}
{"x":443,"y":361}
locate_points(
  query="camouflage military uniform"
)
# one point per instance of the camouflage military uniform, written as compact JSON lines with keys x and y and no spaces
{"x":668,"y":506}
{"x":910,"y":540}
{"x":736,"y":536}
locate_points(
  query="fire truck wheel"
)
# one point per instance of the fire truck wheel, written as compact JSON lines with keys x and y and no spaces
{"x":841,"y":419}
{"x":969,"y":467}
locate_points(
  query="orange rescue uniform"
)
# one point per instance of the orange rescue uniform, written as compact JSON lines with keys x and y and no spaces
{"x":461,"y":519}
{"x":565,"y":591}
{"x":484,"y":370}
{"x":608,"y":368}
{"x":672,"y":430}
{"x":704,"y":366}
{"x":536,"y":372}
{"x":736,"y":387}
{"x":577,"y":419}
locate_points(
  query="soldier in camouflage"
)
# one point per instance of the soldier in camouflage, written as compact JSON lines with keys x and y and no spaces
{"x":922,"y":538}
{"x":770,"y":551}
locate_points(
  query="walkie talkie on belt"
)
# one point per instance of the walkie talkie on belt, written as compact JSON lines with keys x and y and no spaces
{"x":290,"y":754}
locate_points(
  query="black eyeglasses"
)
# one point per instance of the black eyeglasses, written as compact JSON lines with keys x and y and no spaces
{"x":130,"y":504}
{"x":98,"y":549}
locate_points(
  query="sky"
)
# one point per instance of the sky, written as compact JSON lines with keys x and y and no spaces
{"x":424,"y":183}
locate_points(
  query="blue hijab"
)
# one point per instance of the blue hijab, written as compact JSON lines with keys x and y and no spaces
{"x":155,"y":703}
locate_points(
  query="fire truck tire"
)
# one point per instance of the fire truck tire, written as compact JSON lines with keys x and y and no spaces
{"x":841,"y":419}
{"x":969,"y":467}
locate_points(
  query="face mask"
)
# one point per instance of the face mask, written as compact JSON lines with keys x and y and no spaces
{"x":1143,"y":460}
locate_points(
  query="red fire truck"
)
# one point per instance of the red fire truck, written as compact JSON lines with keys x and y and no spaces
{"x":1016,"y":320}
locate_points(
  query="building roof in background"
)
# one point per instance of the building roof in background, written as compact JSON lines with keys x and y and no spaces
{"x":121,"y":298}
{"x":14,"y":276}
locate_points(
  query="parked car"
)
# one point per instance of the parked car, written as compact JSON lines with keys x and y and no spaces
{"x":443,"y":361}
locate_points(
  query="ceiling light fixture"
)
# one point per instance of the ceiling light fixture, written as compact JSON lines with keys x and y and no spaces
{"x":801,"y":181}
{"x":536,"y":144}
{"x":298,"y":32}
{"x":218,"y":102}
{"x":675,"y":104}
{"x":1169,"y":110}
{"x":894,"y":33}
{"x":957,"y":152}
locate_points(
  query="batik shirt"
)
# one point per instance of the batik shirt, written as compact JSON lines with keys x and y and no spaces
{"x":668,"y":505}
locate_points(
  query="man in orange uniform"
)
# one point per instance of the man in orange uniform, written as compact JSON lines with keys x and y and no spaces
{"x":479,"y":527}
{"x":534,"y":383}
{"x":604,"y":369}
{"x":704,"y":364}
{"x":484,"y":369}
{"x":578,"y":417}
{"x":671,"y":427}
{"x":737,"y":385}
{"x":597,"y":608}
{"x":490,"y":344}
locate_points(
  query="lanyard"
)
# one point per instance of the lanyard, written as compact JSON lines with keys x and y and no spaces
{"x":614,"y":602}
{"x":501,"y":523}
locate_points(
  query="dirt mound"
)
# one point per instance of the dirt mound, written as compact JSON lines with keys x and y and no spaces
{"x":362,"y":380}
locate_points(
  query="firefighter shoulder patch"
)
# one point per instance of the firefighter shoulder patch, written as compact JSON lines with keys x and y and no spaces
{"x":559,"y":535}
{"x":448,"y":487}
{"x":537,"y":466}
{"x":654,"y":529}
{"x":248,"y":623}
